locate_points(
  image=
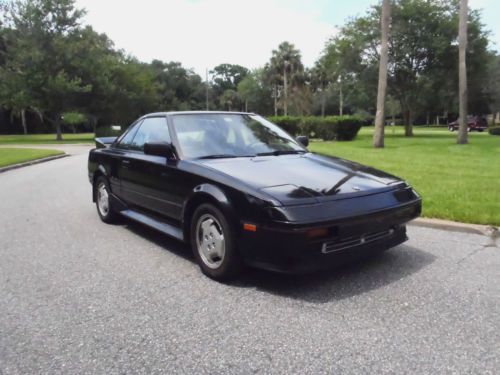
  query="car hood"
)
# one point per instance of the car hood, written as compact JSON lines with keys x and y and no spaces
{"x":305,"y":178}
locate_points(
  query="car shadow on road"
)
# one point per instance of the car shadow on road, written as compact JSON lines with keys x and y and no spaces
{"x":343,"y":282}
{"x":362,"y":276}
{"x":162,"y":240}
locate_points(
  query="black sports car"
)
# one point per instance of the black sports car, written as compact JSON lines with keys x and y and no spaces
{"x":243,"y":191}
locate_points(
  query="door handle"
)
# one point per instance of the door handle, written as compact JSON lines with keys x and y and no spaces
{"x":125,"y":163}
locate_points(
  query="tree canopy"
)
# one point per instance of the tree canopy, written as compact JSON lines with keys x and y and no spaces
{"x":52,"y":64}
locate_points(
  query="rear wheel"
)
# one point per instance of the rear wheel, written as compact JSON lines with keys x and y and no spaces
{"x":450,"y":128}
{"x":102,"y":200}
{"x":213,"y":243}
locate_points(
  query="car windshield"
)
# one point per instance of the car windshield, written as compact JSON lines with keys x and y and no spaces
{"x":222,"y":135}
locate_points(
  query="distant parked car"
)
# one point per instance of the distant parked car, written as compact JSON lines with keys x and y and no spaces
{"x":473,"y":123}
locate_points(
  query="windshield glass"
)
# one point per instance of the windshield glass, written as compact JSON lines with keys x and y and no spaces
{"x":231,"y":135}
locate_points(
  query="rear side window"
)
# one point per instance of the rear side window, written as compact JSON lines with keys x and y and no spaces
{"x":153,"y":129}
{"x":126,"y":140}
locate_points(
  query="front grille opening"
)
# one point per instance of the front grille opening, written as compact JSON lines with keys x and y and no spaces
{"x":353,"y":241}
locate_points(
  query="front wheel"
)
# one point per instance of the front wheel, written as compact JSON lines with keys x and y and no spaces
{"x":213,"y":243}
{"x":102,"y":200}
{"x":450,"y":128}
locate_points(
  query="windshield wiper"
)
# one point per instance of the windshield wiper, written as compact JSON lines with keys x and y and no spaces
{"x":281,"y":152}
{"x":222,"y":156}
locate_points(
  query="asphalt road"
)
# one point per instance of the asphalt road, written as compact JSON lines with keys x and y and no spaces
{"x":78,"y":296}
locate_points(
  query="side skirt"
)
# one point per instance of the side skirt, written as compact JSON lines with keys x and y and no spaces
{"x":160,"y":226}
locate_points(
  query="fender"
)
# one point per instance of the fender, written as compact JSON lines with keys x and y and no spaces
{"x":206,"y":192}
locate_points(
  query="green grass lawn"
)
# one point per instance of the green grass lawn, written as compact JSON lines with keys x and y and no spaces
{"x":46,"y":138}
{"x":457,"y":182}
{"x":9,"y":156}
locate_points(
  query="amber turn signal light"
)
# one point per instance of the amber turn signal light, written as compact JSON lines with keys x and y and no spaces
{"x":317,"y":232}
{"x":250,"y":227}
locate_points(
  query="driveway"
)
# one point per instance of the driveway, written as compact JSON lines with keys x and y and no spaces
{"x":78,"y":296}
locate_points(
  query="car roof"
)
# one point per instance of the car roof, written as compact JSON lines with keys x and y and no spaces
{"x":173,"y":113}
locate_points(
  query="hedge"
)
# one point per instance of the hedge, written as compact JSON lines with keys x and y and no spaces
{"x":341,"y":128}
{"x":494,"y":130}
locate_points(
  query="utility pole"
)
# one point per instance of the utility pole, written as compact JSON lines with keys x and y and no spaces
{"x":206,"y":81}
{"x":285,"y":88}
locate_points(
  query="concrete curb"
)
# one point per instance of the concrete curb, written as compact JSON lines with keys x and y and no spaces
{"x":32,"y":162}
{"x":449,"y":225}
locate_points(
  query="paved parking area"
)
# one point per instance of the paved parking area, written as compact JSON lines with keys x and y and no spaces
{"x":79,"y":296}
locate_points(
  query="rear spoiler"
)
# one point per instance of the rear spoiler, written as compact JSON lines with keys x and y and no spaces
{"x":104,"y":142}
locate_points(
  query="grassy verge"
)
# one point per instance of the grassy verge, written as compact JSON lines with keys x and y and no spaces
{"x":46,"y":139}
{"x":9,"y":156}
{"x":460,"y":183}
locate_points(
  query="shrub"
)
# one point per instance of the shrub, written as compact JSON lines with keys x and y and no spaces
{"x":341,"y":128}
{"x":348,"y":127}
{"x":494,"y":130}
{"x":289,"y":124}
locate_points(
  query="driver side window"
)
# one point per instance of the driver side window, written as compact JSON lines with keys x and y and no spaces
{"x":126,"y":140}
{"x":153,"y":129}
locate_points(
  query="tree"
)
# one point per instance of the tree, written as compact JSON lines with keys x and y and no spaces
{"x":378,"y":135}
{"x":287,"y":66}
{"x":320,"y":82}
{"x":178,"y":88}
{"x":248,"y":89}
{"x":493,"y":87}
{"x":48,"y":38}
{"x":421,"y":54}
{"x":462,"y":48}
{"x":227,"y":77}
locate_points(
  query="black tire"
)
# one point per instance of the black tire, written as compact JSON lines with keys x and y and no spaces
{"x":107,"y":215}
{"x":450,"y":128}
{"x":217,"y":267}
{"x":469,"y":129}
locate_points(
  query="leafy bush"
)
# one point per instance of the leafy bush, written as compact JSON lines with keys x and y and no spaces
{"x":341,"y":128}
{"x":348,"y":127}
{"x":494,"y":130}
{"x":290,"y":124}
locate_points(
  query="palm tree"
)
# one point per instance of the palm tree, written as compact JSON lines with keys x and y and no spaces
{"x":378,"y":135}
{"x":285,"y":61}
{"x":462,"y":73}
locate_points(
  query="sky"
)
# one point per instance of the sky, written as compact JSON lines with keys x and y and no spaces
{"x":204,"y":33}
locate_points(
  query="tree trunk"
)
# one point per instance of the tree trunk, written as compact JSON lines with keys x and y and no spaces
{"x":428,"y":119}
{"x":275,"y":101}
{"x":462,"y":73}
{"x":23,"y":121}
{"x":58,"y":128}
{"x":323,"y":102}
{"x":246,"y":105}
{"x":378,"y":135}
{"x":285,"y":89}
{"x":341,"y":98}
{"x":408,"y":121}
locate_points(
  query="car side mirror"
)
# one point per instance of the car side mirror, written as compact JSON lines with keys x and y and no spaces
{"x":159,"y":149}
{"x":303,"y":140}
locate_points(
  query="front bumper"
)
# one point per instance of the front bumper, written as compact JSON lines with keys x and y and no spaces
{"x":290,"y":250}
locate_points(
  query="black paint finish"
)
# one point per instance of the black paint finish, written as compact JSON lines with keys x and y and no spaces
{"x":285,"y":196}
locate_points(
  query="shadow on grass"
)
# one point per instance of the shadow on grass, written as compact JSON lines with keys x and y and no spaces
{"x":362,"y":276}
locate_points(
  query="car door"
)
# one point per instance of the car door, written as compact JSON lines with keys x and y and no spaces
{"x":121,"y":150}
{"x":148,"y":181}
